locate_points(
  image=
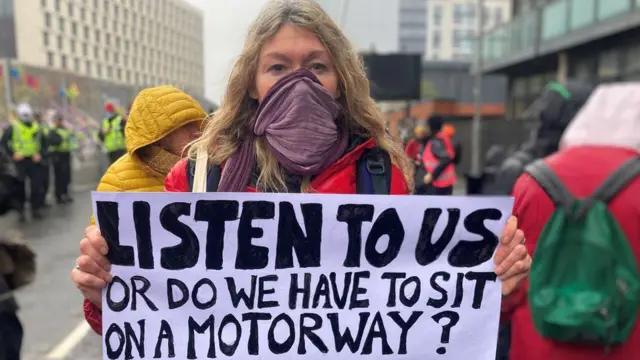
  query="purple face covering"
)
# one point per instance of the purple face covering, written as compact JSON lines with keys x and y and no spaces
{"x":297,"y":120}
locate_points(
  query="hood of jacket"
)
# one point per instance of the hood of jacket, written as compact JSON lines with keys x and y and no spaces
{"x":156,"y":112}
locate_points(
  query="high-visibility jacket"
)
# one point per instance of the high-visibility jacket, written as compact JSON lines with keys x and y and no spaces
{"x":67,"y":141}
{"x":25,"y":140}
{"x":114,"y":139}
{"x":448,"y":176}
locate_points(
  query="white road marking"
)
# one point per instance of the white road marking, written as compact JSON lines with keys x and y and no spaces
{"x":64,"y":348}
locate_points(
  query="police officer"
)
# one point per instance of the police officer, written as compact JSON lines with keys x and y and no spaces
{"x":25,"y":142}
{"x":45,"y":163}
{"x":62,"y":142}
{"x":112,"y":135}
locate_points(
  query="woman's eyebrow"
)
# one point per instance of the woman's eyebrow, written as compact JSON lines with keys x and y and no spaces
{"x":278,"y":56}
{"x":315,"y":54}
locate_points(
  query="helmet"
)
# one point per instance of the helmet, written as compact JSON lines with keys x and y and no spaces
{"x":108,"y":107}
{"x":24,"y":111}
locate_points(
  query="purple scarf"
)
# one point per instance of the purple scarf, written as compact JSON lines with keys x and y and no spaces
{"x":297,"y":120}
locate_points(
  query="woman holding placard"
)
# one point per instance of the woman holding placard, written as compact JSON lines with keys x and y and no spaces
{"x":298,"y":117}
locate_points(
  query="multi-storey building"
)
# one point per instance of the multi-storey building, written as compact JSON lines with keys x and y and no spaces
{"x":412,"y":22}
{"x":551,"y":40}
{"x":134,"y":42}
{"x":452,"y":26}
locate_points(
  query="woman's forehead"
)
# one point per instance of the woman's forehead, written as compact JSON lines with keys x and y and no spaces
{"x":293,"y":41}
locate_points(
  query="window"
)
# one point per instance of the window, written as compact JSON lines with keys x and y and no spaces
{"x":115,"y":26}
{"x":61,"y":24}
{"x":47,"y":20}
{"x":128,"y":76}
{"x":106,"y":5}
{"x":437,"y":15}
{"x":85,"y":49}
{"x":59,"y":42}
{"x":459,"y":13}
{"x":83,"y":14}
{"x":94,"y":18}
{"x":70,"y":9}
{"x":43,"y":3}
{"x":125,"y":59}
{"x":109,"y":72}
{"x":126,"y":45}
{"x":86,"y":32}
{"x":104,"y":22}
{"x":116,"y":58}
{"x":72,"y":44}
{"x":99,"y":70}
{"x":87,"y":67}
{"x":76,"y":65}
{"x":498,"y":16}
{"x":50,"y":61}
{"x":436,"y":39}
{"x":57,"y":5}
{"x":95,"y":4}
{"x":63,"y":62}
{"x":96,"y":52}
{"x":45,"y":39}
{"x":119,"y":74}
{"x":118,"y":42}
{"x":106,"y":55}
{"x":74,"y":29}
{"x":116,"y":11}
{"x":98,"y":36}
{"x":107,"y":38}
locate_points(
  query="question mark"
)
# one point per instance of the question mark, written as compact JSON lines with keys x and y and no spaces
{"x":446,"y":329}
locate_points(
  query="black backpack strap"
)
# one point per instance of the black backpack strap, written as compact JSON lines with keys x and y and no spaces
{"x":377,"y":163}
{"x":213,"y":176}
{"x":551,"y":184}
{"x":617,"y":181}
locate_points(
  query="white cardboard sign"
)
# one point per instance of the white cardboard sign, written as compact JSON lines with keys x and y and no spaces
{"x":291,"y":276}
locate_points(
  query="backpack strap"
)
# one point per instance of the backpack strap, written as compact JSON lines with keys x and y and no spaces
{"x":200,"y":178}
{"x":373,"y":172}
{"x":551,"y":184}
{"x":617,"y":181}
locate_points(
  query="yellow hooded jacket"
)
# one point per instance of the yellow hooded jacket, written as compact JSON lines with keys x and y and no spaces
{"x":156,"y":112}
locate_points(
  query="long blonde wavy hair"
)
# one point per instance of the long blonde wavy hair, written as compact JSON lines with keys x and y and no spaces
{"x":230,"y":124}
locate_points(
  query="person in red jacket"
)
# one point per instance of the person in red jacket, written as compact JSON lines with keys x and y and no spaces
{"x":438,"y":159}
{"x":297,"y":117}
{"x":604,"y":135}
{"x":414,"y":150}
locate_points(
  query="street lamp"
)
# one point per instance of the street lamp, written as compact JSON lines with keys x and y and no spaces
{"x":476,"y":128}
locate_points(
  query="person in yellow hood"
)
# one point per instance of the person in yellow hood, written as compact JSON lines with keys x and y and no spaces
{"x":162,"y":121}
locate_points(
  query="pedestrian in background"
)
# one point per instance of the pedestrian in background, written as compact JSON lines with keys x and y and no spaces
{"x":438,"y":159}
{"x":61,"y":145}
{"x":24,"y":141}
{"x":17,"y":264}
{"x":112,"y":133}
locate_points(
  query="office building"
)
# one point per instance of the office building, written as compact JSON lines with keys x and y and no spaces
{"x":596,"y":41}
{"x":134,"y":42}
{"x":412,"y":22}
{"x":452,"y":26}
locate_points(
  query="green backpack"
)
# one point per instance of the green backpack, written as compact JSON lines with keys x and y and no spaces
{"x":584,"y":285}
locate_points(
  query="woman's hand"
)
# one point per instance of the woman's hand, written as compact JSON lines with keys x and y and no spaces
{"x":512,"y":260}
{"x":91,"y":273}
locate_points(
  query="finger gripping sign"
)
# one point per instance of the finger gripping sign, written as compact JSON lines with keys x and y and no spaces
{"x":275,"y":276}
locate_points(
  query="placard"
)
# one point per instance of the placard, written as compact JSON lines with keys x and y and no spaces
{"x":298,"y":276}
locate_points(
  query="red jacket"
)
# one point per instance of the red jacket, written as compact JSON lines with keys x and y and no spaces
{"x":339,"y":178}
{"x":582,"y":170}
{"x":412,"y":149}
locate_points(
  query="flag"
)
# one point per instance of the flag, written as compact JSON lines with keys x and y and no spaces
{"x":33,"y":82}
{"x":15,"y":73}
{"x":73,"y":91}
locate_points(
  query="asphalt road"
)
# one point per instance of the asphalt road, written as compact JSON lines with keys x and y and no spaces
{"x":51,"y":308}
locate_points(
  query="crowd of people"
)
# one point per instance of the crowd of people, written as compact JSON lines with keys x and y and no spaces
{"x":297,"y":117}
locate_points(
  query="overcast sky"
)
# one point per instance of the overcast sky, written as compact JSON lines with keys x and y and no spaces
{"x":227,"y":21}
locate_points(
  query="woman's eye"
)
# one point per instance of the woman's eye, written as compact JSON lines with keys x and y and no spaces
{"x":276,"y":68}
{"x":318,"y":67}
